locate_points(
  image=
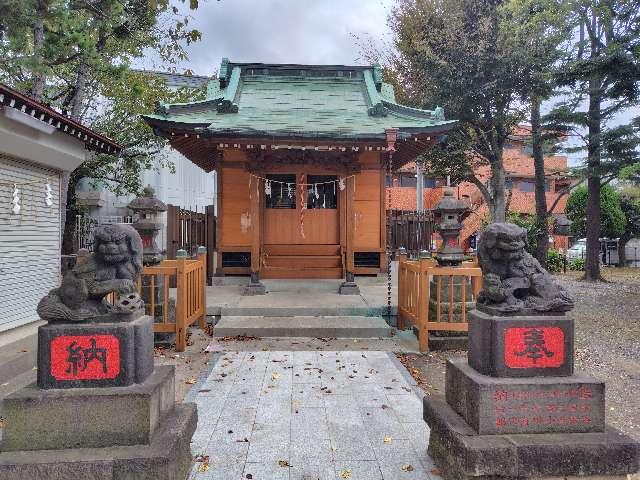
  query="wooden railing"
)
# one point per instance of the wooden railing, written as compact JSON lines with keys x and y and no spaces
{"x":428,"y":309}
{"x":190,"y":295}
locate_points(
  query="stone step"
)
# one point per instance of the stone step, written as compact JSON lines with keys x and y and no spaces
{"x":303,"y":326}
{"x":18,"y":357}
{"x":306,"y":311}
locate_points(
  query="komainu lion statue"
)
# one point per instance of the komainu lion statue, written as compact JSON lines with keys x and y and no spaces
{"x":514,"y":283}
{"x":114,"y":267}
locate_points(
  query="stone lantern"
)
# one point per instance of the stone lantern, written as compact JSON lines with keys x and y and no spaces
{"x":148,"y":207}
{"x":448,"y":212}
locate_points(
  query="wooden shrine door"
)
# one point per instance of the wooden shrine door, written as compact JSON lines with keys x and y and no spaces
{"x":301,"y":235}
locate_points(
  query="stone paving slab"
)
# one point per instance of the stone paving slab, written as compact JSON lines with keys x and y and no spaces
{"x":310,"y":415}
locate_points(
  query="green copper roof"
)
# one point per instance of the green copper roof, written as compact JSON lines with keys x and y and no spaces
{"x":340,"y":102}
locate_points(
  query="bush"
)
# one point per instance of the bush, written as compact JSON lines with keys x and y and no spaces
{"x":555,"y":261}
{"x":576,"y":264}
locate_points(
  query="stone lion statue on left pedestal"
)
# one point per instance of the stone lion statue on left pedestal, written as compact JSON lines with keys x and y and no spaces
{"x":113,"y":267}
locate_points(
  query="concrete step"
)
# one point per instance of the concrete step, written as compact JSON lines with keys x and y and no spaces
{"x":306,"y":311}
{"x":18,"y":357}
{"x":17,"y":382}
{"x":303,"y":326}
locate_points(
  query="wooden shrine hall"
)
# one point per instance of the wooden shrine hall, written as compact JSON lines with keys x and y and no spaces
{"x":301,"y":153}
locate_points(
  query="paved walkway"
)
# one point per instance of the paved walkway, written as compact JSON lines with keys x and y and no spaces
{"x":309,"y":415}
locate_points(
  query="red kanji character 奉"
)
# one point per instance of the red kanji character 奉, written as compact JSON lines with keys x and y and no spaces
{"x":535,"y":346}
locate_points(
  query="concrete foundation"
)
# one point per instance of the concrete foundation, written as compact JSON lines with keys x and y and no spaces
{"x":461,"y":453}
{"x":166,"y":457}
{"x":86,"y":418}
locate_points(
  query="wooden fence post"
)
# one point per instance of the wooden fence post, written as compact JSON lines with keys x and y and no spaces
{"x":423,"y":301}
{"x":202,"y":256}
{"x":181,"y":301}
{"x":401,"y":286}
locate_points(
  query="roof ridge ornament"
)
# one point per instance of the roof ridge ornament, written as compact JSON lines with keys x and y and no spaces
{"x":227,"y":106}
{"x":378,"y":110}
{"x":377,"y":76}
{"x":438,"y":113}
{"x":224,"y":72}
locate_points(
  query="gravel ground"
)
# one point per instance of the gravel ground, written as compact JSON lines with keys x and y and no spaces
{"x":607,"y":344}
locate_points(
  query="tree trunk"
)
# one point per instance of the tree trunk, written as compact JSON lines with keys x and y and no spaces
{"x":498,"y":207}
{"x":77,"y":103}
{"x":592,"y":261}
{"x":622,"y":254}
{"x":37,"y":89}
{"x":542,"y":240}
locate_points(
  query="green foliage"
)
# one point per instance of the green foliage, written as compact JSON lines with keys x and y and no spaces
{"x":600,"y":77}
{"x":577,"y":264}
{"x":613,"y":220}
{"x":83,"y":57}
{"x":555,"y":261}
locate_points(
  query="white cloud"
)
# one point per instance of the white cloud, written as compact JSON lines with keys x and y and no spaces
{"x":282,"y":31}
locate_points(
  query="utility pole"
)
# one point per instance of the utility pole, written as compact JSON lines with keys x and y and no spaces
{"x":419,"y":187}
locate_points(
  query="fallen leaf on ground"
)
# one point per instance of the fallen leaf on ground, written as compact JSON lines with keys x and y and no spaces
{"x":283,"y":463}
{"x":407,"y":468}
{"x":346,"y":473}
{"x":436,"y":471}
{"x":249,"y":476}
{"x":203,"y":460}
{"x":386,"y":439}
{"x":275,"y":376}
{"x":190,"y":381}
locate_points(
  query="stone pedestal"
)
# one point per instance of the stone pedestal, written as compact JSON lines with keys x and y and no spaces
{"x":110,"y":354}
{"x":100,"y":409}
{"x":349,"y":286}
{"x":521,"y":346}
{"x":255,"y":287}
{"x":516,"y":409}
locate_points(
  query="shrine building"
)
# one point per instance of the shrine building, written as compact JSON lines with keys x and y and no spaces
{"x":301,"y":153}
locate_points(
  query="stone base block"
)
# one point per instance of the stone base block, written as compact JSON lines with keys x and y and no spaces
{"x":254,"y":288}
{"x":462,"y":454}
{"x":168,"y":457}
{"x":492,"y":405}
{"x":349,"y":288}
{"x":73,"y":355}
{"x":521,"y":346}
{"x":87,"y":417}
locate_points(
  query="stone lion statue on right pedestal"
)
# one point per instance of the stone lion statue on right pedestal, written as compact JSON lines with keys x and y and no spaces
{"x":514,"y":282}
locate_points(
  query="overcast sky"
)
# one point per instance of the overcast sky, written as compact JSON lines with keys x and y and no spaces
{"x":282,"y":31}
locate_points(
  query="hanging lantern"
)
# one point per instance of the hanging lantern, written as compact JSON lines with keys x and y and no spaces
{"x":267,"y":187}
{"x":15,"y":209}
{"x":341,"y":184}
{"x":315,"y":191}
{"x":289,"y":190}
{"x":48,"y":195}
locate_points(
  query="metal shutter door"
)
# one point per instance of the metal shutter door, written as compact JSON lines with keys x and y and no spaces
{"x":29,"y":241}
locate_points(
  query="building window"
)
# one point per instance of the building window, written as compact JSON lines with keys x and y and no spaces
{"x":283,"y":191}
{"x":322,"y":191}
{"x":408,"y":181}
{"x":530,"y":186}
{"x":508,"y":184}
{"x":527,"y":186}
{"x":429,"y":182}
